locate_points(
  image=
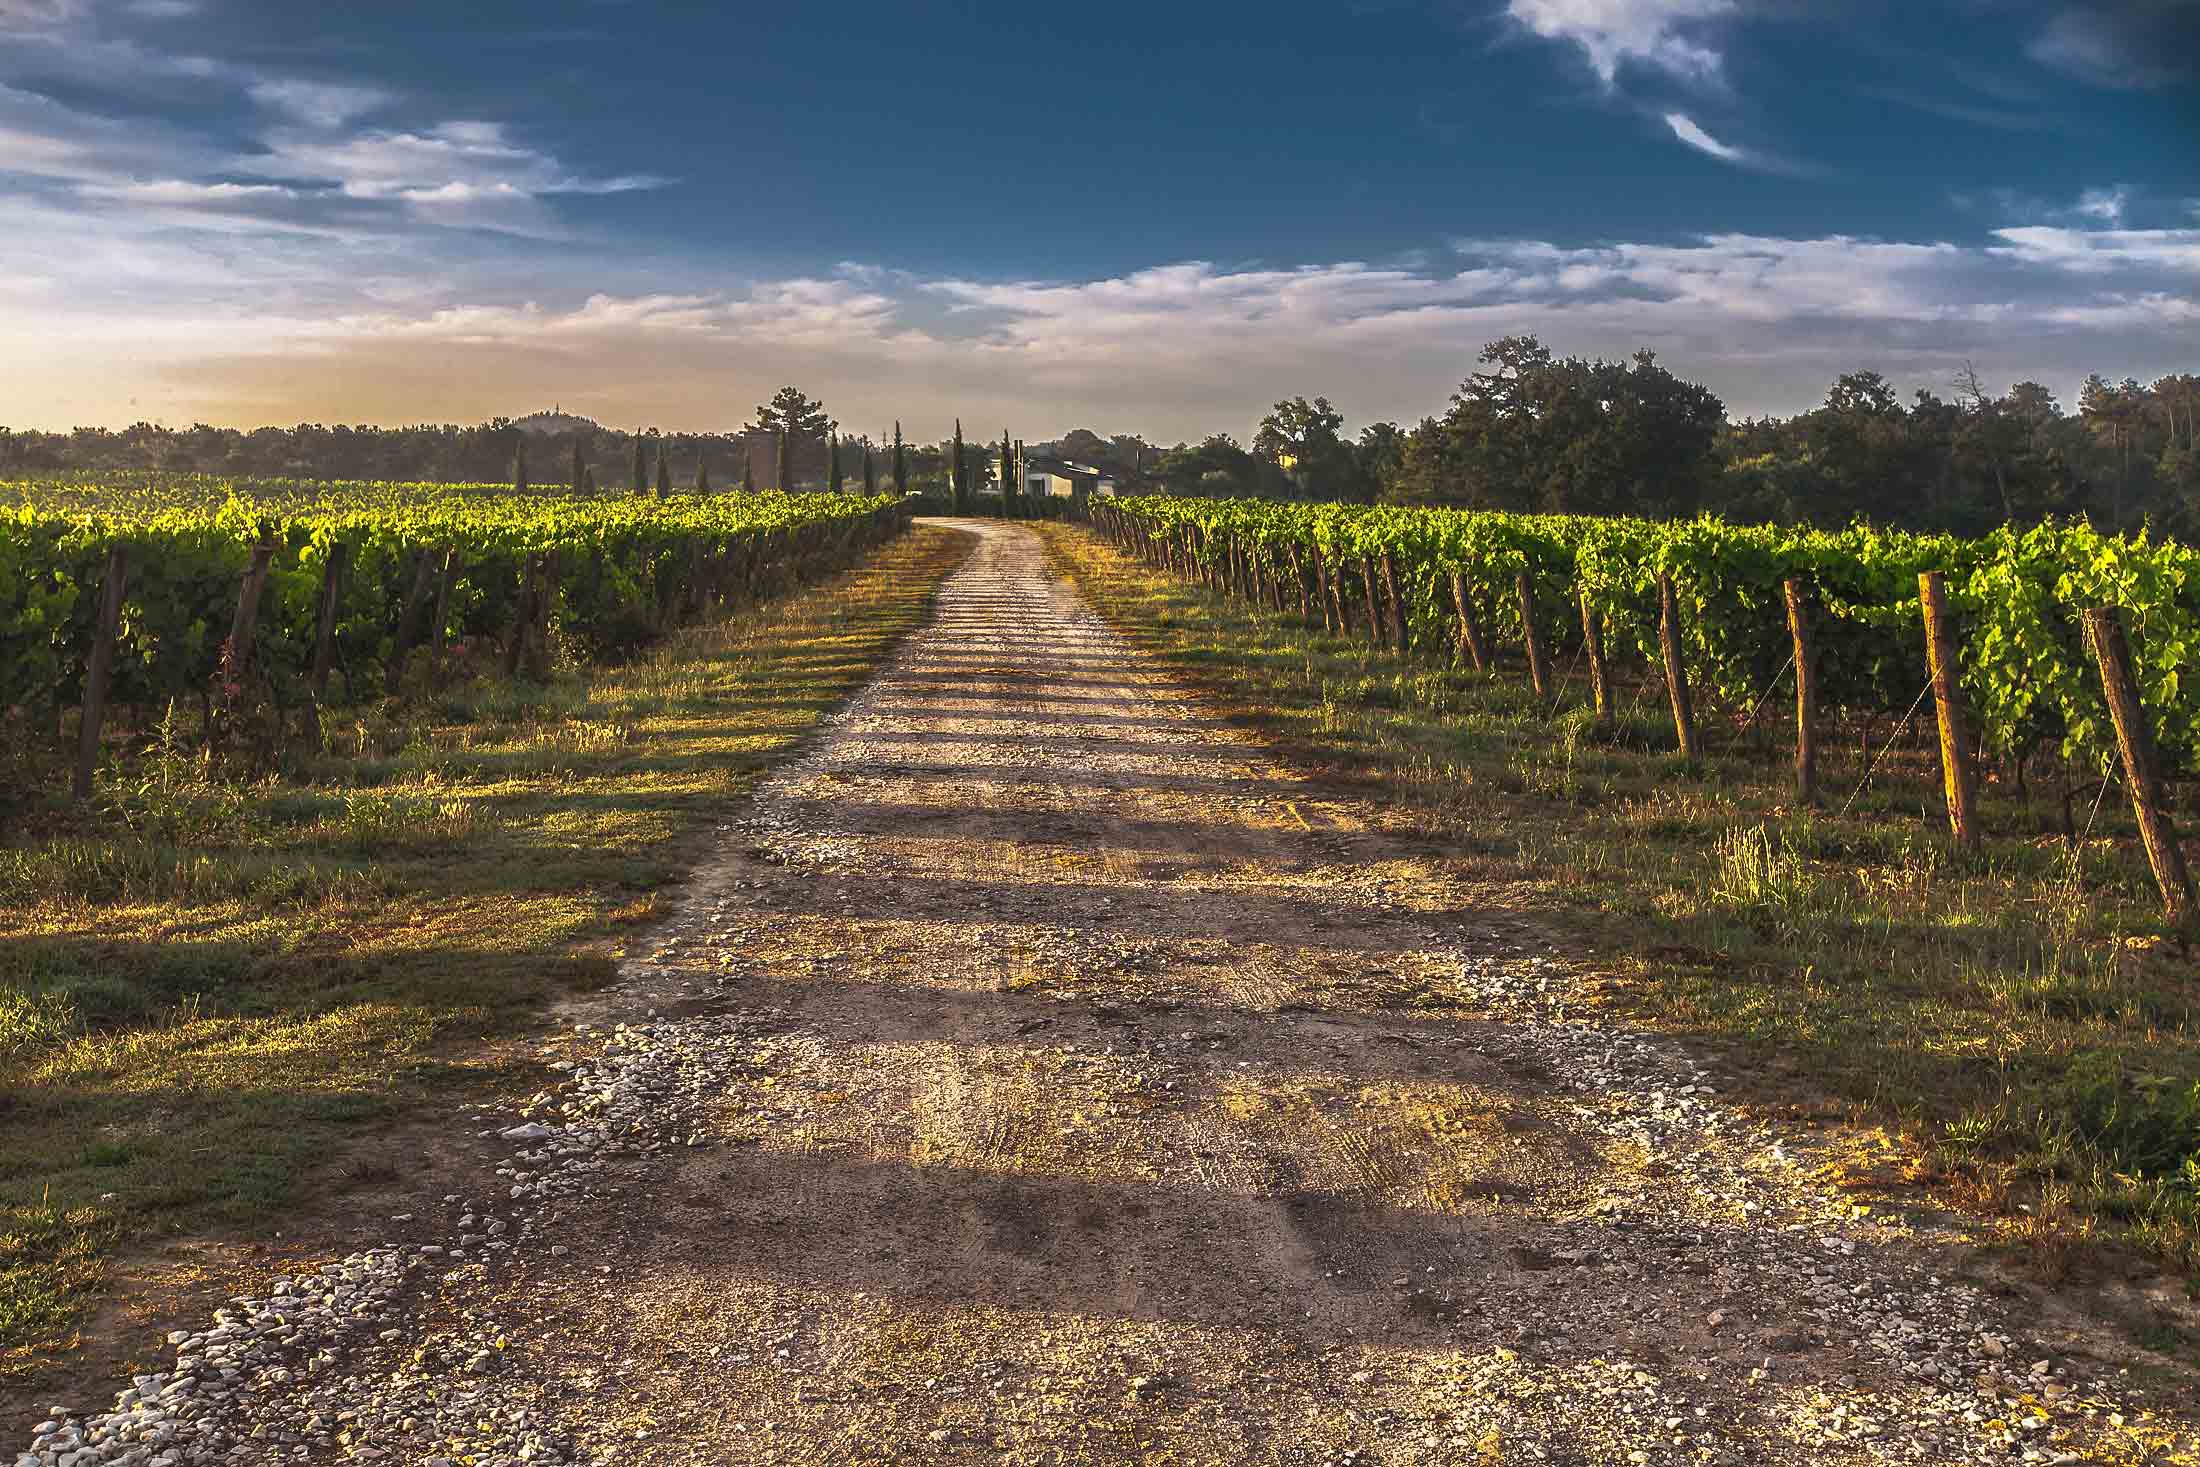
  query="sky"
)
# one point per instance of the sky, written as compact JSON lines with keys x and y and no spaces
{"x":1134,"y":217}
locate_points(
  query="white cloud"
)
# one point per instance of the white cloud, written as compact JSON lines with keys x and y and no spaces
{"x":1646,"y":32}
{"x":319,"y":104}
{"x":1685,"y":128}
{"x":2104,"y":204}
{"x":2102,"y":251}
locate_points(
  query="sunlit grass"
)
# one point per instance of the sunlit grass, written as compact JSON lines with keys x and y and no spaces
{"x":207,"y":988}
{"x":2015,"y":1016}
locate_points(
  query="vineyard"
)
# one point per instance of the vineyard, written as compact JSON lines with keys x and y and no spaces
{"x":248,"y":603}
{"x":2053,"y":640}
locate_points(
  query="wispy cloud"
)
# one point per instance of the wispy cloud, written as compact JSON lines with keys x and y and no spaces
{"x":319,"y":104}
{"x":1685,"y":128}
{"x":1658,"y":34}
{"x":2130,"y":44}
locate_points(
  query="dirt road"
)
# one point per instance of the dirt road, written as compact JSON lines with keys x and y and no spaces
{"x":1042,"y":1074}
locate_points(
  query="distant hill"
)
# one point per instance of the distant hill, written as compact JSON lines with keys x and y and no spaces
{"x":553,"y":422}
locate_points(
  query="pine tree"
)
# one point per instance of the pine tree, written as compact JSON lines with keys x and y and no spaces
{"x":832,"y":461}
{"x":958,"y":484}
{"x":901,"y":462}
{"x":519,"y":467}
{"x":641,"y":466}
{"x":702,"y":474}
{"x":664,"y":471}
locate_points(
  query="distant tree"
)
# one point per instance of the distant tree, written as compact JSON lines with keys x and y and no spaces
{"x":1011,"y":487}
{"x":748,"y":466}
{"x":782,"y":460}
{"x":519,"y":466}
{"x":958,"y":483}
{"x":641,"y":466}
{"x":870,"y":471}
{"x":664,"y":470}
{"x":702,"y":475}
{"x":1380,"y":457}
{"x":1300,"y":440}
{"x":833,"y":482}
{"x":588,"y":480}
{"x":901,"y":461}
{"x":799,"y":420}
{"x":580,"y":466}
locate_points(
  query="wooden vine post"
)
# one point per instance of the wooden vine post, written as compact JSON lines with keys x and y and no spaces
{"x":408,"y":623}
{"x":1539,"y":662}
{"x":1374,"y":602}
{"x":324,"y":630}
{"x":1600,"y":671}
{"x":247,"y":620}
{"x":439,"y":627}
{"x":1955,"y":758}
{"x":1676,"y":673}
{"x":1470,"y":629}
{"x":1806,"y":696}
{"x":2104,"y":628}
{"x":1298,"y":582}
{"x":1397,"y":604}
{"x":99,"y":668}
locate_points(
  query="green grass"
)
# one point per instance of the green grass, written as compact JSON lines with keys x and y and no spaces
{"x":2015,"y":1022}
{"x":209,"y":988}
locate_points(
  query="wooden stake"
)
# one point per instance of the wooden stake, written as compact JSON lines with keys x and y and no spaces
{"x":247,"y":620}
{"x":99,"y":668}
{"x":1600,"y":672}
{"x":2142,"y":772}
{"x":1941,"y":654}
{"x":439,"y":625}
{"x":1539,"y":668}
{"x":324,"y":631}
{"x":1676,"y":674}
{"x":1470,"y":627}
{"x":1397,"y":604}
{"x":1298,"y":579}
{"x":1806,"y":696}
{"x":1374,"y":603}
{"x":408,"y":621}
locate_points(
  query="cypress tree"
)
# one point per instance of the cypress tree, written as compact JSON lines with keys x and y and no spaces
{"x":702,"y":474}
{"x":664,"y":471}
{"x":748,"y":467}
{"x":641,"y":466}
{"x":1008,"y":476}
{"x":832,"y":461}
{"x":870,"y":474}
{"x":957,"y":482}
{"x":519,"y":467}
{"x":588,"y":480}
{"x":580,"y":466}
{"x":780,"y":460}
{"x":901,"y":462}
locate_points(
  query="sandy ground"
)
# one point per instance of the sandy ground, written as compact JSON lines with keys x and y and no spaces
{"x":1041,"y":1074}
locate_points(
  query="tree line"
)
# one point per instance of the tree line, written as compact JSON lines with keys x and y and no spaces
{"x":1526,"y":430}
{"x":1531,"y":431}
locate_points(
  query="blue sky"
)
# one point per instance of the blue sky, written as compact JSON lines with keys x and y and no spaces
{"x":1144,"y":218}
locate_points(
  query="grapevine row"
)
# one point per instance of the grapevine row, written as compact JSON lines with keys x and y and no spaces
{"x":1730,"y":611}
{"x":277,"y":594}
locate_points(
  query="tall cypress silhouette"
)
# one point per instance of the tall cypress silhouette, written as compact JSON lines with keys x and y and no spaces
{"x":959,"y":483}
{"x":641,"y":465}
{"x":901,"y":462}
{"x":519,"y":467}
{"x":664,"y":471}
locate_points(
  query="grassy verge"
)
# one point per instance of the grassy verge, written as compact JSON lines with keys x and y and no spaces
{"x":209,"y":989}
{"x":2014,"y":1023}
